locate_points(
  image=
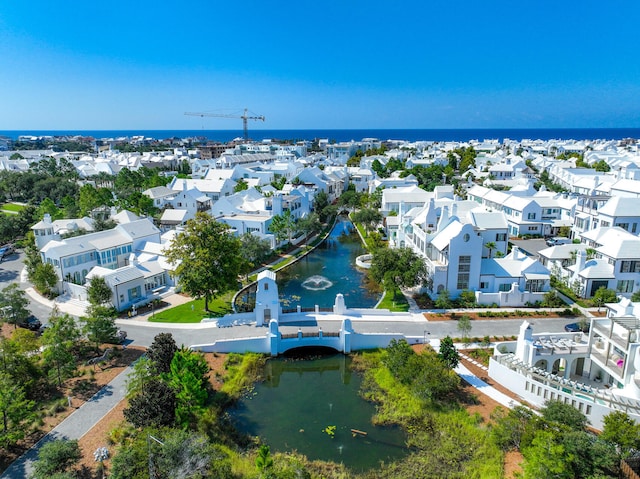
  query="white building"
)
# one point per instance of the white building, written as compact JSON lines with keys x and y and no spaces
{"x":597,"y":373}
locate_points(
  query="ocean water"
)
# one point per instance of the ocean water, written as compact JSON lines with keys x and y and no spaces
{"x":348,"y":135}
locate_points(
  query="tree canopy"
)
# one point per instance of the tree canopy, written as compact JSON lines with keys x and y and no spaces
{"x":402,"y":266}
{"x":207,"y":258}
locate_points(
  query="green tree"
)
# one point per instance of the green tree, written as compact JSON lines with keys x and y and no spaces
{"x":283,"y":226}
{"x":467,"y":299}
{"x":565,"y":414}
{"x":443,"y":300}
{"x":309,"y":225}
{"x":98,"y":291}
{"x":154,"y":405}
{"x":190,"y":455}
{"x":15,"y":409}
{"x":635,"y":297}
{"x":320,"y":203}
{"x":91,"y":198}
{"x":396,"y":359}
{"x":161,"y":352}
{"x":55,"y":457}
{"x":621,"y":430}
{"x":241,"y":185}
{"x":188,"y":377}
{"x":513,"y":428}
{"x":13,"y":305}
{"x":368,"y":217}
{"x":142,"y":373}
{"x":350,"y":200}
{"x":207,"y":258}
{"x":58,"y":341}
{"x":591,"y":456}
{"x":601,"y":165}
{"x":44,"y":278}
{"x":604,"y":295}
{"x":546,"y":458}
{"x":100,"y":325}
{"x":48,"y":206}
{"x":400,"y":265}
{"x":448,"y":353}
{"x":254,"y":250}
{"x":491,"y":245}
{"x":464,"y":326}
{"x":17,"y":359}
{"x":264,"y":461}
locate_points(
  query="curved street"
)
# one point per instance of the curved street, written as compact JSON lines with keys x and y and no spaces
{"x":141,"y":332}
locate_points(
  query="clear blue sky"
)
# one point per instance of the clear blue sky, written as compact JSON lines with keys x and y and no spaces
{"x":141,"y":64}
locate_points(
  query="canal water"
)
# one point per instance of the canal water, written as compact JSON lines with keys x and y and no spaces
{"x":330,"y":269}
{"x":301,"y":399}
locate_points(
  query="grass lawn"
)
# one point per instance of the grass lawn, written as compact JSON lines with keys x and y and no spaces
{"x":399,"y":305}
{"x":193,"y":311}
{"x":12,"y":207}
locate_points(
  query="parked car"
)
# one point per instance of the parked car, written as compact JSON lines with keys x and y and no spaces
{"x":557,"y":241}
{"x":6,"y":250}
{"x":31,"y":323}
{"x":577,"y":327}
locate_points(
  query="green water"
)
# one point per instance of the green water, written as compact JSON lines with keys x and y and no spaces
{"x":300,"y":398}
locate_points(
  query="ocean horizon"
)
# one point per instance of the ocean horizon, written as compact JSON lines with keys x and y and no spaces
{"x":340,"y":135}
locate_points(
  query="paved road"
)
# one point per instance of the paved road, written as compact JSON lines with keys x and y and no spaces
{"x":142,"y":334}
{"x":75,"y":426}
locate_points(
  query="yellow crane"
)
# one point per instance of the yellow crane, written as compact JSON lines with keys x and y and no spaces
{"x":245,"y":116}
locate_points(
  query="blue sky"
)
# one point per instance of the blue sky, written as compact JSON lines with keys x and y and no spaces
{"x":333,"y":64}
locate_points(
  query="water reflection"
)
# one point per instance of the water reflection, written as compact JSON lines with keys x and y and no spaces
{"x":313,"y":407}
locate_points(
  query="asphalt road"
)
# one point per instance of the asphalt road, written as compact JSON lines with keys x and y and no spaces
{"x":142,"y":335}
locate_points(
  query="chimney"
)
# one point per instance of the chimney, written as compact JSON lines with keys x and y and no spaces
{"x":47,"y":218}
{"x":444,"y":218}
{"x":454,"y":209}
{"x":581,"y":259}
{"x":515,"y":253}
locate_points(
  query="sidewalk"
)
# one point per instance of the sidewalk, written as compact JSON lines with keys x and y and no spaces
{"x":75,"y":426}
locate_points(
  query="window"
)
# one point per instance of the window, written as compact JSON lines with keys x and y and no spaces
{"x":501,"y":237}
{"x":630,"y":266}
{"x":134,"y":293}
{"x":531,"y":216}
{"x":625,"y":286}
{"x":266,"y":286}
{"x":532,"y":228}
{"x":463,"y":281}
{"x":484,"y":285}
{"x":505,"y":287}
{"x":624,"y":226}
{"x":466,"y":237}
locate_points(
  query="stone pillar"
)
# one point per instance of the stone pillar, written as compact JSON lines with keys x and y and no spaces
{"x":273,"y":336}
{"x":339,"y":306}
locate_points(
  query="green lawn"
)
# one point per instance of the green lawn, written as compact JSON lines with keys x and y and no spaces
{"x":12,"y":207}
{"x":399,"y":305}
{"x":193,"y":311}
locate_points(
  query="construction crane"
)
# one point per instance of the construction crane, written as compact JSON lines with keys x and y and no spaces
{"x":245,"y":117}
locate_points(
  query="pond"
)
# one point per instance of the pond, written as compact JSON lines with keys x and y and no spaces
{"x":328,"y":270}
{"x":301,"y":400}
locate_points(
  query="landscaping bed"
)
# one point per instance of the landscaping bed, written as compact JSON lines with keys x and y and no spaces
{"x":518,"y":313}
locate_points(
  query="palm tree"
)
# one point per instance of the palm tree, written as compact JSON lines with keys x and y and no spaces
{"x":491,"y":245}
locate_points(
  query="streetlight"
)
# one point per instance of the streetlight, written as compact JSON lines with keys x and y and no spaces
{"x":152,"y":474}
